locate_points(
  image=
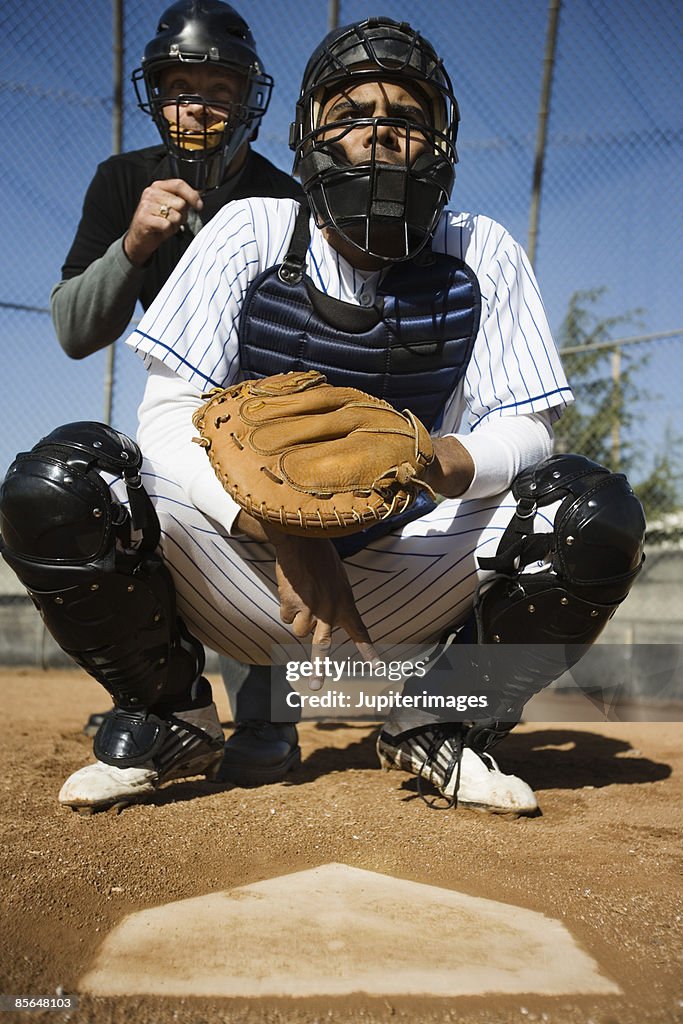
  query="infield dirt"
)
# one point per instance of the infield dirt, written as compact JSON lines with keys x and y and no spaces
{"x":605,"y":858}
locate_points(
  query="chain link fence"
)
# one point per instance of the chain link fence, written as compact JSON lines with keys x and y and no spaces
{"x":606,"y":247}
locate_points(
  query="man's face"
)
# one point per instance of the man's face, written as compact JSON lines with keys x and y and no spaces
{"x":378,"y":99}
{"x":218,"y":87}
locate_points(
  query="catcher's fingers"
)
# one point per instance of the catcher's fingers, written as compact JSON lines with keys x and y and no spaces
{"x":368,"y":652}
{"x":320,"y":649}
{"x":291,"y":604}
{"x":322,"y":643}
{"x":316,"y":596}
{"x":355,"y":627}
{"x":294,"y":612}
{"x":322,"y":639}
{"x":303,"y":623}
{"x":287,"y":612}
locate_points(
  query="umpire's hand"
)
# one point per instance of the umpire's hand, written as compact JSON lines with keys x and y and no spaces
{"x":161,"y":212}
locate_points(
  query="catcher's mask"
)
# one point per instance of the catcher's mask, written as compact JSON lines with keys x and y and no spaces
{"x":388,"y":210}
{"x":195,"y":33}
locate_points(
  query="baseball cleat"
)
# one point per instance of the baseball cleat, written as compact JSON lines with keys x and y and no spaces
{"x":464,"y":777}
{"x":193,"y":745}
{"x":259,"y":753}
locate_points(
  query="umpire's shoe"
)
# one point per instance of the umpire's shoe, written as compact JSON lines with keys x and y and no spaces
{"x":439,"y":755}
{"x":260,"y":752}
{"x":91,"y":727}
{"x":190,"y":743}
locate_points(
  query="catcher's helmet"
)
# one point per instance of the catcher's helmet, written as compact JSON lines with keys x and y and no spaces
{"x":198,"y":32}
{"x":387,"y":210}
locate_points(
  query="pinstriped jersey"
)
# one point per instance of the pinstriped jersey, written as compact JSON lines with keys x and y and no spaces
{"x":193,"y":324}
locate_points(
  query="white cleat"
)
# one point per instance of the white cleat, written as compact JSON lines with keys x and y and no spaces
{"x":193,"y":745}
{"x":463,"y":776}
{"x":484,"y":786}
{"x":102,"y":785}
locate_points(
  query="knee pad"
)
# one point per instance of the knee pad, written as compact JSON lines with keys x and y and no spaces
{"x":110,"y":607}
{"x":594,"y":554}
{"x":56,"y":508}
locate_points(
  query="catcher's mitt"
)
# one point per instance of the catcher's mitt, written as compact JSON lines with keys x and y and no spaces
{"x":311,"y":458}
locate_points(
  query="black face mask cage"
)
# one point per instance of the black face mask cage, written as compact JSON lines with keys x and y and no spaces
{"x":383,"y":205}
{"x":423,"y":137}
{"x":201,"y":158}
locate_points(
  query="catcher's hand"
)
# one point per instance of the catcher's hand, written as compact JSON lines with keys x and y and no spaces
{"x":310,"y":458}
{"x":316,"y":597}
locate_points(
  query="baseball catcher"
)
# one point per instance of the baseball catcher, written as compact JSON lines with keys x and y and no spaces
{"x":370,"y":346}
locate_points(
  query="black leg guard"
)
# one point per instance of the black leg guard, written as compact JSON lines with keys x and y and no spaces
{"x":595,"y":552}
{"x":110,"y":607}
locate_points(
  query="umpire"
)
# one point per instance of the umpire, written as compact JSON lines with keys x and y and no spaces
{"x":202,"y":82}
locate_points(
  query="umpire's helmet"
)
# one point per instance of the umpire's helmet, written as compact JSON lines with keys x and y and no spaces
{"x":195,"y":32}
{"x":387,"y":210}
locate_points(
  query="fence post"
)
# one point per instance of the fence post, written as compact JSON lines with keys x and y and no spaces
{"x":616,"y":406}
{"x":332,"y":15}
{"x":541,"y":131}
{"x":117,"y":142}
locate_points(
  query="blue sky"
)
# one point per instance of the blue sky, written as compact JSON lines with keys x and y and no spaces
{"x":612,"y":202}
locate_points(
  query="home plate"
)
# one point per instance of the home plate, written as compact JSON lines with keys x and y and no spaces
{"x":334,"y":930}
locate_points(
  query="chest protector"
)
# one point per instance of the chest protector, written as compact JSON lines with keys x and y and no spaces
{"x":411,"y":348}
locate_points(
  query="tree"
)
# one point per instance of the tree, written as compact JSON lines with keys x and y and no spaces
{"x":602,"y":378}
{"x":660,"y":492}
{"x":598,"y":424}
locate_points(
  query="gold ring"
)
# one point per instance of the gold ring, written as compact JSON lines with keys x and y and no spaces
{"x":164,"y":211}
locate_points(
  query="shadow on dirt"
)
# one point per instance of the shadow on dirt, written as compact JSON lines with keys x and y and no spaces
{"x":555,"y":758}
{"x":558,"y":758}
{"x":547,"y":758}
